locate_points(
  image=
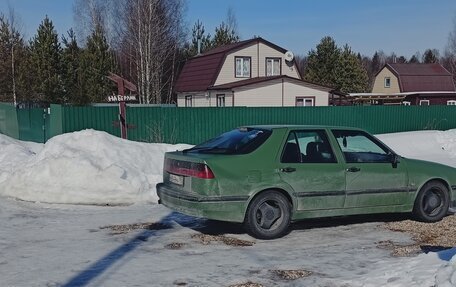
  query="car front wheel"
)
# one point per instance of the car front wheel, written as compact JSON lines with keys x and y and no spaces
{"x":432,"y":202}
{"x":268,"y":215}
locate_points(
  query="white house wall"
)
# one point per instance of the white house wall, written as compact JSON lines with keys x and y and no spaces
{"x":270,"y":94}
{"x":259,"y":95}
{"x":293,"y":90}
{"x":258,"y":67}
{"x":208,"y":99}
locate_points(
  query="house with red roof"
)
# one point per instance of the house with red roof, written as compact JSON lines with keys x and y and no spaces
{"x":411,"y":84}
{"x":250,"y":73}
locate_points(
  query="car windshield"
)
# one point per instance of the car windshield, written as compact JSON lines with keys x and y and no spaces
{"x":238,"y":141}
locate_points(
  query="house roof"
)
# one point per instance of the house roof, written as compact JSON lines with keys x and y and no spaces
{"x":200,"y":72}
{"x":422,"y":77}
{"x":258,"y":80}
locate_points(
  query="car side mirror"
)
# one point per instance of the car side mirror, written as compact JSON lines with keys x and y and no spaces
{"x":394,"y":159}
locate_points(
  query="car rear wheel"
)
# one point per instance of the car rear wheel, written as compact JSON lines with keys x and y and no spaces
{"x":268,"y":215}
{"x":432,"y":202}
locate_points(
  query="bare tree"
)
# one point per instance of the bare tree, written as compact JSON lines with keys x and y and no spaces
{"x":449,"y":59}
{"x":231,"y":21}
{"x":90,"y":15}
{"x":12,"y":42}
{"x":151,"y":33}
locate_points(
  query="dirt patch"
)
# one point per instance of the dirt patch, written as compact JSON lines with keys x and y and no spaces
{"x":231,"y":241}
{"x":427,"y":236}
{"x":126,"y":228}
{"x":400,"y":250}
{"x":292,"y":274}
{"x":247,"y":284}
{"x":175,"y":245}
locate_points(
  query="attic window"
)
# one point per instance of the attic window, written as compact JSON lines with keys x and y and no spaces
{"x":242,"y":65}
{"x":273,"y":66}
{"x":387,"y":82}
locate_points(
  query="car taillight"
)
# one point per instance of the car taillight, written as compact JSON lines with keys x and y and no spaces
{"x":186,"y":168}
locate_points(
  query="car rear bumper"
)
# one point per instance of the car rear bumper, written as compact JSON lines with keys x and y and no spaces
{"x":224,"y":208}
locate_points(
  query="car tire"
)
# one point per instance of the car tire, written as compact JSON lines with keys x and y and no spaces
{"x":268,"y":215}
{"x":432,"y":202}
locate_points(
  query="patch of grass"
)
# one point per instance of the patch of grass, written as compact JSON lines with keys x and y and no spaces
{"x":292,"y":274}
{"x":231,"y":241}
{"x":126,"y":228}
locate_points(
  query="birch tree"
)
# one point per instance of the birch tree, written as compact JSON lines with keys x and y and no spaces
{"x":153,"y":31}
{"x":12,"y":48}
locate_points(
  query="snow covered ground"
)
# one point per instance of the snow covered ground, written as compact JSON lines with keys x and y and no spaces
{"x":43,"y":244}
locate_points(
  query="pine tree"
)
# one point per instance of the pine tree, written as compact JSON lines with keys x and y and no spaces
{"x":45,"y":61}
{"x":198,"y":32}
{"x":97,"y":62}
{"x":224,"y":35}
{"x":74,"y":90}
{"x":5,"y":60}
{"x":351,"y":77}
{"x":414,"y":60}
{"x":376,"y":64}
{"x":322,"y":63}
{"x":431,"y":56}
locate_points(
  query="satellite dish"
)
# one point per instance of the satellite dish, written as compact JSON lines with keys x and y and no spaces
{"x":289,"y":56}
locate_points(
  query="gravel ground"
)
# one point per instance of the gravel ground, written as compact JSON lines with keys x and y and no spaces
{"x":427,"y":236}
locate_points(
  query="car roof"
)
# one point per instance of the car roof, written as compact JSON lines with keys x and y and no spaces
{"x":307,"y":127}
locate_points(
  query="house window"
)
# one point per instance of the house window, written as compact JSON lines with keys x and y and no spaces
{"x":305,"y":102}
{"x":188,"y":101}
{"x":424,"y":102}
{"x":221,"y":100}
{"x":387,"y":82}
{"x":273,"y":67}
{"x":242,"y":67}
{"x":451,"y":103}
{"x":406,"y":103}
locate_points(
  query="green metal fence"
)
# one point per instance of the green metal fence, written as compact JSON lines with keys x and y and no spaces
{"x":25,"y":124}
{"x":194,"y":125}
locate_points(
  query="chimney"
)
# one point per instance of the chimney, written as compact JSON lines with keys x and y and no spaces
{"x":199,"y":45}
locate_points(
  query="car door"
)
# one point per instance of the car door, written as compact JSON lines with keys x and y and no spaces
{"x":373,"y":176}
{"x":309,"y":166}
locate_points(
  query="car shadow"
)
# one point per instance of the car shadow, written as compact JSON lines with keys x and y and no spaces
{"x":214,"y":227}
{"x":348,"y":220}
{"x":206,"y":226}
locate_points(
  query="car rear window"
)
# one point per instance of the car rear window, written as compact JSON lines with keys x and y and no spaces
{"x":237,"y":141}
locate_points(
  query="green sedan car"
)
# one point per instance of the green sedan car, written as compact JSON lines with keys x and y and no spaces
{"x":268,"y":176}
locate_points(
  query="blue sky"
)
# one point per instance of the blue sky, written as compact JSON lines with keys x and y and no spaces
{"x":402,"y":26}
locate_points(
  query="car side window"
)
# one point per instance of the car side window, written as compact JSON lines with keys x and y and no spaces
{"x":358,"y":146}
{"x":310,"y":146}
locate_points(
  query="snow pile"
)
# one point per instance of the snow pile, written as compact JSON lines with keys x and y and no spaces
{"x":446,"y":276}
{"x":437,"y":146}
{"x":13,"y":154}
{"x":86,"y":167}
{"x":431,"y":269}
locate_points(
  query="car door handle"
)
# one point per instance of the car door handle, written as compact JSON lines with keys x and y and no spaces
{"x":288,"y":169}
{"x":353,"y":169}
